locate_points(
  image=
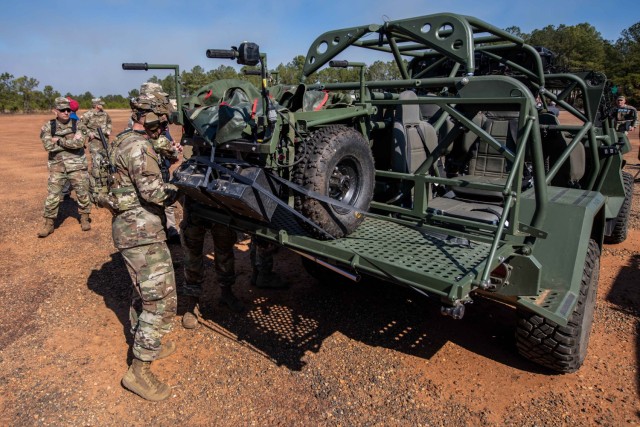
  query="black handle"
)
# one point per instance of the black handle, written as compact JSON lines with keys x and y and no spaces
{"x":252,"y":72}
{"x":222,"y":53}
{"x":337,"y":63}
{"x":135,"y":66}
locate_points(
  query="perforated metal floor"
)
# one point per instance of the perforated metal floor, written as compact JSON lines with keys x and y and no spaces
{"x":390,"y":244}
{"x":407,"y":248}
{"x":408,"y":254}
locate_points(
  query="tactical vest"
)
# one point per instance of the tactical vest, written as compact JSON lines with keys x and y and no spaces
{"x":53,"y":126}
{"x":123,"y":197}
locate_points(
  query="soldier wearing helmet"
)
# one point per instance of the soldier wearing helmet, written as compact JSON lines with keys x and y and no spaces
{"x":138,"y":196}
{"x":169,"y":153}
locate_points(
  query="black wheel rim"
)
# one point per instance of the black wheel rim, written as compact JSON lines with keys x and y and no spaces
{"x":344,"y":183}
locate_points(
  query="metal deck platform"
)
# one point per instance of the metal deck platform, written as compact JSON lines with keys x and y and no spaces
{"x":383,"y":249}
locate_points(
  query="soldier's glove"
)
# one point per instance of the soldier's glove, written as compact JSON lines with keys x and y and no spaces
{"x":172,"y":194}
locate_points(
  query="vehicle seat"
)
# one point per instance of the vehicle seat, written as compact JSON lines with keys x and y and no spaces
{"x":431,"y":113}
{"x":475,"y":160}
{"x":413,"y":138}
{"x":554,"y":142}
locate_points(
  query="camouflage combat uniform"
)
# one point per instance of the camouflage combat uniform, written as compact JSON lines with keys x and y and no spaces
{"x":89,"y":124}
{"x":139,"y":195}
{"x":168,"y":155}
{"x":66,"y":161}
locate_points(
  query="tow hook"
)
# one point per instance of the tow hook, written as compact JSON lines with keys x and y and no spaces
{"x":456,"y":311}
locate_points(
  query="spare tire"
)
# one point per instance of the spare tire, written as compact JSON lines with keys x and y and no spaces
{"x":335,"y":161}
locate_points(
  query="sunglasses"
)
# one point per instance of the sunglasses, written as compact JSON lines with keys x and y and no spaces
{"x":65,"y":110}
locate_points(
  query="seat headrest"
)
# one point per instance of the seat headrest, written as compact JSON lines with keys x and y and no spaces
{"x":408,"y":113}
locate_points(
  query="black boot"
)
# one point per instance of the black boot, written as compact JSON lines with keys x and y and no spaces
{"x":230,"y":300}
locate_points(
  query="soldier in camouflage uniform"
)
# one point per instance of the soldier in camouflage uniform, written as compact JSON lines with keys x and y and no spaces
{"x":89,"y":124}
{"x":67,"y":161}
{"x":137,"y":197}
{"x":169,"y":153}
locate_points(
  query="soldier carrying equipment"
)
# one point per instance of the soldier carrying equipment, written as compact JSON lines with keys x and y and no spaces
{"x":105,"y":161}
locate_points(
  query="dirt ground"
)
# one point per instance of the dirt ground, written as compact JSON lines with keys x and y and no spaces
{"x":359,"y":354}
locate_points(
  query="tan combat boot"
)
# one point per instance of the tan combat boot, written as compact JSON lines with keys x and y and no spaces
{"x":47,"y":228}
{"x":85,"y":222}
{"x":140,"y":380}
{"x":190,"y":318}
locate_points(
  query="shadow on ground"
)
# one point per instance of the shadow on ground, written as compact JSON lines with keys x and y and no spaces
{"x":283,"y":325}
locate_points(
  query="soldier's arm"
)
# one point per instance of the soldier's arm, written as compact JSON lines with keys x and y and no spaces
{"x":165,"y":148}
{"x":49,"y":141}
{"x":72,"y":143}
{"x":109,"y":127}
{"x":82,"y":125}
{"x":145,"y":172}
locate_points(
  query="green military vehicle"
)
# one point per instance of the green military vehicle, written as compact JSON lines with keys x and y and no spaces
{"x":455,"y":180}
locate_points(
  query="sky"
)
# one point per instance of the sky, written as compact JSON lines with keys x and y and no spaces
{"x":78,"y":47}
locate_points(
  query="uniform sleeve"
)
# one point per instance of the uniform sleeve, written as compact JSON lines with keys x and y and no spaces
{"x":146,"y":176}
{"x":46,"y":137}
{"x":165,"y":148}
{"x":82,"y":124}
{"x":108,"y":127}
{"x":73,"y":143}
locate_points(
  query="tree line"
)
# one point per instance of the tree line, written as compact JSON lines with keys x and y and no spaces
{"x":577,"y":47}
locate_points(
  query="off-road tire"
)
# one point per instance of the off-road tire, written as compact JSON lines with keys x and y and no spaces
{"x":621,"y":227}
{"x":335,"y":161}
{"x":562,"y":348}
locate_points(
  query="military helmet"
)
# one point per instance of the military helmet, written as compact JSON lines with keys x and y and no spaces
{"x":155,"y":103}
{"x":150,"y":88}
{"x":153,"y":108}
